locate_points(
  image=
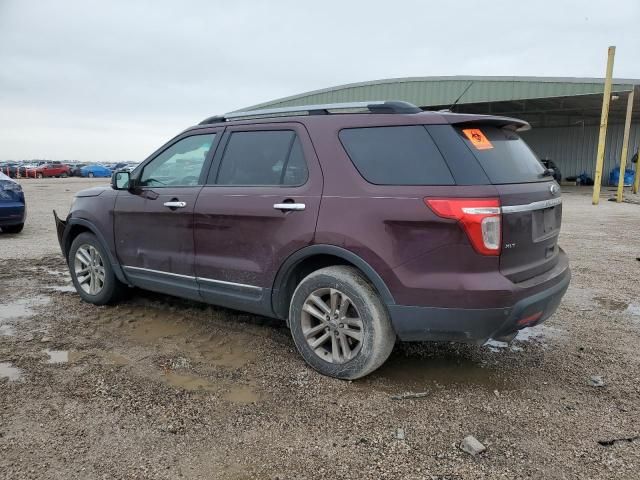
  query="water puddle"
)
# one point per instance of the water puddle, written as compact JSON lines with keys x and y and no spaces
{"x":408,"y":373}
{"x":7,"y":331}
{"x":190,"y":382}
{"x":7,"y":370}
{"x":231,"y":353}
{"x":62,"y":356}
{"x":113,"y":358}
{"x":241,"y":394}
{"x":633,"y":309}
{"x":610,"y":304}
{"x":62,"y":288}
{"x":21,"y":308}
{"x":146,"y":329}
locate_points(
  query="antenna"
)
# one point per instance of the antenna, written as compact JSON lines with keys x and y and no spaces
{"x":450,"y":109}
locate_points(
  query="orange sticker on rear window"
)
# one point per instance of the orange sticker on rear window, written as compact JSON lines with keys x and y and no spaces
{"x":477,"y":138}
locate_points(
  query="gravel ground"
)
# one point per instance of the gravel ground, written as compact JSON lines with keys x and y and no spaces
{"x":158,"y":387}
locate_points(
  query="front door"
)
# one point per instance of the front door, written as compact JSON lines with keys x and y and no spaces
{"x":153,"y":223}
{"x":259,"y":205}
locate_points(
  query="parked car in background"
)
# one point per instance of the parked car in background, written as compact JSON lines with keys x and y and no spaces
{"x":12,"y":205}
{"x":75,"y":169}
{"x":355,"y":228}
{"x":95,"y":171}
{"x":48,"y":170}
{"x":10,"y":169}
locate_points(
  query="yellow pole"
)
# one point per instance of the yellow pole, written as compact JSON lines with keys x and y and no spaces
{"x":604,"y":118}
{"x":625,"y":146}
{"x":636,"y":178}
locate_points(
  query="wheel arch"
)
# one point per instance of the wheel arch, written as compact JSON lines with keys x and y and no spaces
{"x":76,"y":226}
{"x":309,"y":259}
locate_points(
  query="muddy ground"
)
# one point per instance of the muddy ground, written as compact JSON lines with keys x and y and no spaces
{"x":157,"y":387}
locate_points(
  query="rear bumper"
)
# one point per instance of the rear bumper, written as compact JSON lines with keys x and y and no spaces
{"x":13,"y":213}
{"x":531,"y":306}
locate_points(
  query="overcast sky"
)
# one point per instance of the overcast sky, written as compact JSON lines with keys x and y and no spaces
{"x":113,"y":80}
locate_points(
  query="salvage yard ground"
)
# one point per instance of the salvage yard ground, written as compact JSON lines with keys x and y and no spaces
{"x":158,"y":387}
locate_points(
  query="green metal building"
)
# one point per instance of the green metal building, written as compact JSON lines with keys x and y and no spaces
{"x":564,"y":112}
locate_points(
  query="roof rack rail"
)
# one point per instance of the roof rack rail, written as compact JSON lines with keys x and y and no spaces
{"x":321,"y":109}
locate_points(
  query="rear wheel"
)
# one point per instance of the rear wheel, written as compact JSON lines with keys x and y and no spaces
{"x":90,"y":175}
{"x":13,"y":228}
{"x":91,"y":271}
{"x":38,"y":175}
{"x":339,"y":324}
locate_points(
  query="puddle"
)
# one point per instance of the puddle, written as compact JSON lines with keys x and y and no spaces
{"x":63,"y":288}
{"x":62,"y":356}
{"x":408,"y":373}
{"x":190,"y":382}
{"x":145,"y":329}
{"x":241,"y":394}
{"x":21,"y":308}
{"x":114,"y":358}
{"x":14,"y":374}
{"x":7,"y":331}
{"x":610,"y":304}
{"x":633,"y":309}
{"x":231,"y":354}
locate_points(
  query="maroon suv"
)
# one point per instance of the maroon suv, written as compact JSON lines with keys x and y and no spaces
{"x":357,"y":223}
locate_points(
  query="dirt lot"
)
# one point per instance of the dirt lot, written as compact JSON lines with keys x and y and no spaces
{"x":162,"y":388}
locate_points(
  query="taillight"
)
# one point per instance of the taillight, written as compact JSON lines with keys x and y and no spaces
{"x":480,"y":218}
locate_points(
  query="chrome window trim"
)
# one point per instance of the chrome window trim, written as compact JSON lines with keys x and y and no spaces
{"x":197,"y":279}
{"x":532,"y":206}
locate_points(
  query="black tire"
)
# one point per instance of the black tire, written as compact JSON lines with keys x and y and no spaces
{"x":13,"y":228}
{"x":90,"y":175}
{"x":378,"y":336}
{"x":112,"y":289}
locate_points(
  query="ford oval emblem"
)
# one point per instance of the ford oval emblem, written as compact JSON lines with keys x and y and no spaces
{"x":554,"y":189}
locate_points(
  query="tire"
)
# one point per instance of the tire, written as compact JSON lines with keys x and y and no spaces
{"x":376,"y":333}
{"x":38,"y":175}
{"x":13,"y":228}
{"x":108,"y":289}
{"x":90,"y":174}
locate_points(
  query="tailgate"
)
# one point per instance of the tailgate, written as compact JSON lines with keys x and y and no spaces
{"x":531,"y":221}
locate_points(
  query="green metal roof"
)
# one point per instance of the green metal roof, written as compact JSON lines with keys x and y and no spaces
{"x":439,"y":91}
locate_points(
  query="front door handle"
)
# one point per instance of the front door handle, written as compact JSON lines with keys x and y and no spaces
{"x":289,"y":206}
{"x":175,"y":204}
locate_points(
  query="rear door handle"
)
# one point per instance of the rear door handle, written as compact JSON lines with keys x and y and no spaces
{"x":289,"y":206}
{"x":175,"y":204}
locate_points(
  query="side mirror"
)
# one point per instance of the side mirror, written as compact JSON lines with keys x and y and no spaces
{"x":121,"y":180}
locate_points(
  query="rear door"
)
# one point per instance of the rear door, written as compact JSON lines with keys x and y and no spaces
{"x":530,"y":199}
{"x":153,"y":224}
{"x":259,"y":205}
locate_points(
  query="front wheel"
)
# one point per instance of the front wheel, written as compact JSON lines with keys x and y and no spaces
{"x":339,"y":324}
{"x":90,"y":175}
{"x":91,"y":272}
{"x":13,"y":228}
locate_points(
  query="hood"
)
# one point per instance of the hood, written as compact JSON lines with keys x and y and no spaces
{"x":94,"y":191}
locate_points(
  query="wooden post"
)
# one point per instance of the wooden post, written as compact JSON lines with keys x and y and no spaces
{"x":636,"y":177}
{"x":625,"y":146}
{"x":604,"y":119}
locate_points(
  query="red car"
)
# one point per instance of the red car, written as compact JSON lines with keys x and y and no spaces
{"x":48,"y":170}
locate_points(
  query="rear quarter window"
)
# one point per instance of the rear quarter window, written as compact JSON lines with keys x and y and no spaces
{"x":502,"y":154}
{"x":404,"y":155}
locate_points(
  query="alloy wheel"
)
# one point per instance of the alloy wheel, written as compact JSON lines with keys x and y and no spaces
{"x":89,"y":269}
{"x":332,"y":326}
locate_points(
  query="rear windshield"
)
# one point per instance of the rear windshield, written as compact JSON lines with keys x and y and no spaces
{"x":405,"y":155}
{"x":503,"y":155}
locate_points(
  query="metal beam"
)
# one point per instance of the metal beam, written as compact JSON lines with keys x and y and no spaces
{"x":625,"y":146}
{"x":604,"y":117}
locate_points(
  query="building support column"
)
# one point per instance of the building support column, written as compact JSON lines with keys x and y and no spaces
{"x":625,"y":146}
{"x":604,"y":119}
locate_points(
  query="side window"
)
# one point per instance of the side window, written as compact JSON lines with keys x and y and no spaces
{"x":405,"y":155}
{"x":270,"y":157}
{"x":180,"y":164}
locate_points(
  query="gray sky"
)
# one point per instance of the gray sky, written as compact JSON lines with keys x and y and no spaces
{"x":113,"y":80}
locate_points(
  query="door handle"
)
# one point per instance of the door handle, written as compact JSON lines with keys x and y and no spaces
{"x":289,"y":206}
{"x":175,"y":204}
